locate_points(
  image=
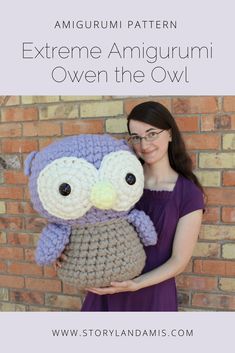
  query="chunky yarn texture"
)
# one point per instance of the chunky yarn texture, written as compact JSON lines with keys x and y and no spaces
{"x":97,"y":255}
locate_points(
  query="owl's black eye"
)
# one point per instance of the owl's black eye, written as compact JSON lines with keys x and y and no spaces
{"x":130,"y":179}
{"x":64,"y":189}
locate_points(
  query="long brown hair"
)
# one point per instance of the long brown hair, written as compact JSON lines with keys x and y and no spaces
{"x":155,"y":114}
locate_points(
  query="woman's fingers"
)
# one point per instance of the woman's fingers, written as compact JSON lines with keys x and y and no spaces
{"x":63,"y":257}
{"x":56,"y":265}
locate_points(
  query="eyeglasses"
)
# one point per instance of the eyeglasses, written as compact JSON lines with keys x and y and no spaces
{"x":149,"y":137}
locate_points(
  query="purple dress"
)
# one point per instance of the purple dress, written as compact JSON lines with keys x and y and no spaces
{"x":164,"y":208}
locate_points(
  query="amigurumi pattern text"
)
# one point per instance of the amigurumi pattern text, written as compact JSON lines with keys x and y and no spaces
{"x":86,"y":186}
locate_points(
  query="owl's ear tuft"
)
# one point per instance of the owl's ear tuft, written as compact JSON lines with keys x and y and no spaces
{"x":28,"y":163}
{"x":125,"y":142}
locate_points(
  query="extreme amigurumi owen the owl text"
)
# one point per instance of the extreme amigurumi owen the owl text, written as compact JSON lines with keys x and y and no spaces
{"x":86,"y":186}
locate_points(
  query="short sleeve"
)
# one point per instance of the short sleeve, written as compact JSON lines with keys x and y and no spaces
{"x":192,"y":198}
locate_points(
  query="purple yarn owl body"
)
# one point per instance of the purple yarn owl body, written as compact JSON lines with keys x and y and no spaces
{"x":86,"y":186}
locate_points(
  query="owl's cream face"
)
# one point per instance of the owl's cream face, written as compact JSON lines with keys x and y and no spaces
{"x":68,"y":187}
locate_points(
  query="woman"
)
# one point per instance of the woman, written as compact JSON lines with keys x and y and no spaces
{"x":173,"y":198}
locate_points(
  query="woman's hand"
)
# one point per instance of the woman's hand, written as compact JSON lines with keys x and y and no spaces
{"x":58,"y":263}
{"x":116,"y":287}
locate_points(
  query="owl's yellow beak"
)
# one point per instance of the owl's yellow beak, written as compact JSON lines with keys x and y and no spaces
{"x":103,"y":195}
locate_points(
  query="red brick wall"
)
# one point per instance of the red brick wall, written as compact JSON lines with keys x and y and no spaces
{"x":30,"y":123}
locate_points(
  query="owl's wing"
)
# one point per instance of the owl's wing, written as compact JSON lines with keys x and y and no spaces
{"x":144,"y":227}
{"x":52,"y":242}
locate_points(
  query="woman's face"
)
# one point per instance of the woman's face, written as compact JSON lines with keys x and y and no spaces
{"x":150,"y":151}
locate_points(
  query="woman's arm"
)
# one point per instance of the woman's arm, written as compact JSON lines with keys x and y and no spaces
{"x":185,"y":239}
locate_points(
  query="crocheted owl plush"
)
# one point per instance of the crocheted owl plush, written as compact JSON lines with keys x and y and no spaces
{"x":86,"y":186}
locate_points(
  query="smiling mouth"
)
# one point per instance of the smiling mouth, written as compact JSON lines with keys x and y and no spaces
{"x":147,"y":153}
